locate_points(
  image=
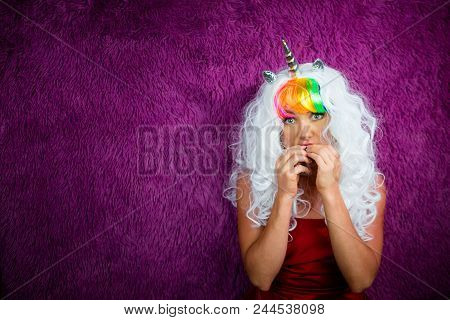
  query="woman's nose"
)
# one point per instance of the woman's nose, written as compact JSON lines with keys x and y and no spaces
{"x":305,"y":131}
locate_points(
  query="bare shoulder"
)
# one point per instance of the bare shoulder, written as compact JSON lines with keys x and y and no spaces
{"x":248,"y":233}
{"x":381,"y":204}
{"x":381,"y":184}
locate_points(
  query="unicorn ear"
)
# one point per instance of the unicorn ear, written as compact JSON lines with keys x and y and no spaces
{"x":318,"y":64}
{"x":269,"y":76}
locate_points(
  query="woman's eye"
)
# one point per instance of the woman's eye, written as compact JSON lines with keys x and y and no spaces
{"x":320,"y":116}
{"x":289,"y":120}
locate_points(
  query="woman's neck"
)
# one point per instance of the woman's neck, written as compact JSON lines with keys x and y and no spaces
{"x":313,"y":197}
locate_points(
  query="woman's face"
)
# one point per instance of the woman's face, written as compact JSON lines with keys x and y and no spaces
{"x":304,"y":128}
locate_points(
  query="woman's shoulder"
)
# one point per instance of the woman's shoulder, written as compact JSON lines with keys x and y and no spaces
{"x":381,"y":203}
{"x":380,"y":183}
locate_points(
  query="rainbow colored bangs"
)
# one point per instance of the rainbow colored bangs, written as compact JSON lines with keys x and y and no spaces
{"x":301,"y":95}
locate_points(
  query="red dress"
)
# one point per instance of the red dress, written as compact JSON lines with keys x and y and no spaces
{"x":309,"y":270}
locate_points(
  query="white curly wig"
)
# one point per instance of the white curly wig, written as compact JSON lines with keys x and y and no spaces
{"x":352,"y":125}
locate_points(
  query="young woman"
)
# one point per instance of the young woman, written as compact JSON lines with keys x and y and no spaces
{"x":310,"y":201}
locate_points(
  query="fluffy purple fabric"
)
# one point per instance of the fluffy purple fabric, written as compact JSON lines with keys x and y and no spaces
{"x":82,"y":81}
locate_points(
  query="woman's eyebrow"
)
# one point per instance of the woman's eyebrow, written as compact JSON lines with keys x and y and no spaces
{"x":295,"y":113}
{"x":289,"y":111}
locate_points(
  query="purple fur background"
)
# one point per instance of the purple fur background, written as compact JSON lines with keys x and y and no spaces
{"x":80,"y":79}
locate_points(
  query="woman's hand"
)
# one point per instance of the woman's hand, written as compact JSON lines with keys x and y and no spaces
{"x":329,"y":166}
{"x":287,"y":169}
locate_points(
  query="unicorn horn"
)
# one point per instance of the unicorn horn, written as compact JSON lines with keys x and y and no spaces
{"x":290,"y":59}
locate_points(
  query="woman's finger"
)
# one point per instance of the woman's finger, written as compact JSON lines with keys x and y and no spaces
{"x":299,"y":169}
{"x":317,"y":158}
{"x":291,"y":153}
{"x":333,"y":151}
{"x":292,"y":149}
{"x":297,"y":157}
{"x":293,"y":162}
{"x":327,"y":156}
